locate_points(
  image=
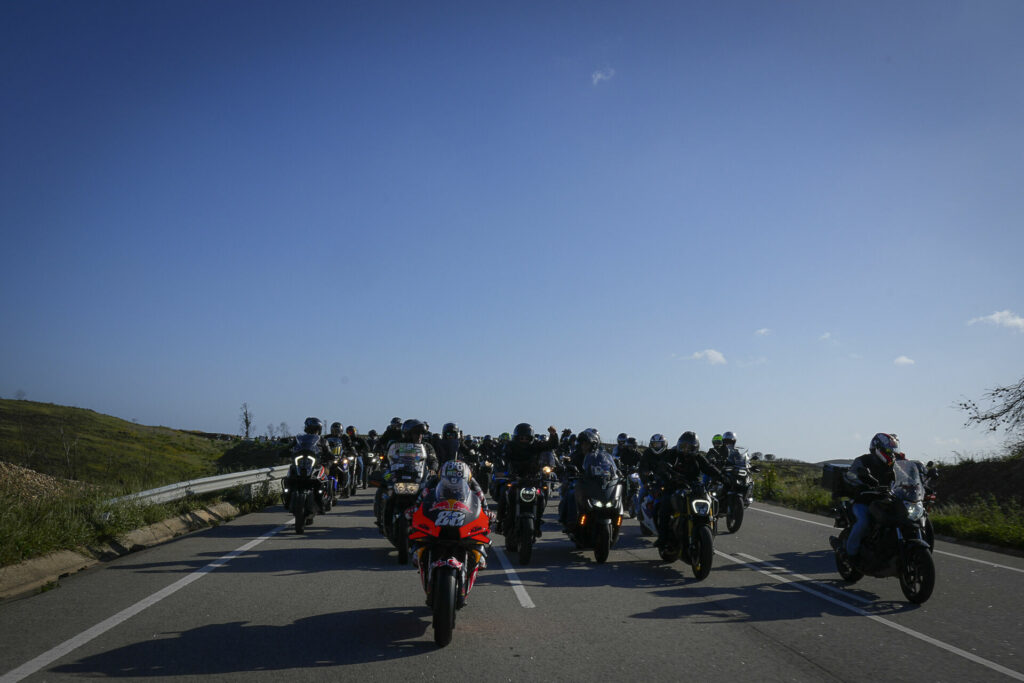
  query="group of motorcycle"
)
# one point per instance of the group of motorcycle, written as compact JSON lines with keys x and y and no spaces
{"x":315,"y":483}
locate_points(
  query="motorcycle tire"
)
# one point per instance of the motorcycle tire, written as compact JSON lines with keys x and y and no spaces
{"x":734,"y":514}
{"x":603,"y":543}
{"x":525,"y":540}
{"x":402,"y":539}
{"x":843,"y":566}
{"x":668,"y":554}
{"x":929,"y":534}
{"x":300,"y":523}
{"x":703,"y":553}
{"x":917,"y":576}
{"x":444,"y":606}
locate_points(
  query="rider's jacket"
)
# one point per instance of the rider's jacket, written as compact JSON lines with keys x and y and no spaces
{"x":650,"y":461}
{"x":719,"y":455}
{"x":867,"y":471}
{"x":629,"y":457}
{"x":689,"y":466}
{"x":524,"y":458}
{"x":737,"y":458}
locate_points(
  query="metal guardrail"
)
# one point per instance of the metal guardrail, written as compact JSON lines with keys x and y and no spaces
{"x":183,"y":489}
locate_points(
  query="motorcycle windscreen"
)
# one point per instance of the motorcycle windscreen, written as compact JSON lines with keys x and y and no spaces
{"x":599,"y":465}
{"x":907,"y":484}
{"x":306,"y":443}
{"x":408,"y":457}
{"x":335,"y":445}
{"x":452,"y":511}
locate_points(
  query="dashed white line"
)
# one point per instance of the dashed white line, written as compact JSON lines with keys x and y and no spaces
{"x":940,"y":552}
{"x":52,"y":655}
{"x":513,"y":579}
{"x":885,"y":622}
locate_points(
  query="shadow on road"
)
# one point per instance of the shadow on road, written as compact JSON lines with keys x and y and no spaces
{"x":338,"y":639}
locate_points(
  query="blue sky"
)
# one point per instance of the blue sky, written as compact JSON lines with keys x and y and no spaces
{"x":776,"y":218}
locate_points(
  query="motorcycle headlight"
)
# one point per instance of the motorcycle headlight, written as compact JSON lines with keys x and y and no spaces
{"x":547,"y":470}
{"x":597,"y":503}
{"x":701,"y":507}
{"x":527,"y":495}
{"x":915,"y":511}
{"x":741,"y":473}
{"x":405,"y":487}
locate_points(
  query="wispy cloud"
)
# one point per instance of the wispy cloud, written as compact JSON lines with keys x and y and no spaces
{"x":602,"y":75}
{"x":828,"y":337}
{"x":750,"y":362}
{"x":710,"y":355}
{"x":763,"y":332}
{"x":1003,"y":319}
{"x":903,"y":360}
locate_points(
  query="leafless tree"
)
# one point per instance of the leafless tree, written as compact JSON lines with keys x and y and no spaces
{"x":1005,"y":412}
{"x":246,"y":419}
{"x":283,"y":430}
{"x":271,"y":432}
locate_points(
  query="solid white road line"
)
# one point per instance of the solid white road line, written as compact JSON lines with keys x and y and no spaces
{"x":513,"y":579}
{"x":807,"y":579}
{"x":52,"y":655}
{"x":885,"y":622}
{"x":941,"y":552}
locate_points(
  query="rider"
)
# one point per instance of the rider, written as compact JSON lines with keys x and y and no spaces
{"x":362,"y":449}
{"x":685,"y":462}
{"x":620,"y":443}
{"x":629,"y":455}
{"x":869,"y":470}
{"x":719,"y":453}
{"x":587,"y":442}
{"x":735,"y":457}
{"x":391,"y":434}
{"x":413,"y":432}
{"x":566,"y":443}
{"x":450,"y":443}
{"x":522,"y":455}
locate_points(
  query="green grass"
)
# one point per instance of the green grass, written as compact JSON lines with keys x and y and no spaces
{"x":73,"y":443}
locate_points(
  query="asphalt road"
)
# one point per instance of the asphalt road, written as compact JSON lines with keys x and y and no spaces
{"x":252,"y":601}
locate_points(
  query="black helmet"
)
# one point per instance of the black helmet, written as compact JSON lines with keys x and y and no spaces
{"x":335,"y":429}
{"x":487,"y":437}
{"x":523,"y":432}
{"x":313,"y":425}
{"x":372,"y":432}
{"x":450,"y":430}
{"x":413,"y":430}
{"x":566,"y":432}
{"x":729,"y":438}
{"x":396,"y":422}
{"x":688,"y":443}
{"x":631,"y":441}
{"x":621,"y":438}
{"x":590,"y":436}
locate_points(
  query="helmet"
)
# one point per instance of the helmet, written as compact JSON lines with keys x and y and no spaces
{"x":716,"y":440}
{"x":351,"y":430}
{"x":335,"y":429}
{"x":396,"y":422}
{"x":487,"y":438}
{"x":469,"y":441}
{"x":372,"y":432}
{"x":658,"y":443}
{"x":313,"y":425}
{"x":450,"y":431}
{"x":621,"y":438}
{"x":729,"y":438}
{"x":413,"y":429}
{"x":631,"y":441}
{"x":590,"y":436}
{"x":453,"y":474}
{"x":505,"y":436}
{"x":884,"y":446}
{"x":689,"y":443}
{"x":566,"y":432}
{"x":523,"y":432}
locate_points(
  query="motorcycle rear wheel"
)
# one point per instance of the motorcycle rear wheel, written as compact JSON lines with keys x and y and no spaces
{"x":734,"y":514}
{"x":917,"y":576}
{"x":402,"y":540}
{"x":843,"y":566}
{"x":703,"y":553}
{"x":603,"y":543}
{"x":525,"y":540}
{"x":444,"y":606}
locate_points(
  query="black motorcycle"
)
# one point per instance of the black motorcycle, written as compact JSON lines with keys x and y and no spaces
{"x":525,"y":498}
{"x":304,"y":488}
{"x":896,"y":543}
{"x":406,"y":474}
{"x":736,"y":494}
{"x":693,"y":526}
{"x":598,"y":494}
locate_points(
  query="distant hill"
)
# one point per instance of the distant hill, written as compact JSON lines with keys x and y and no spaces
{"x":75,"y":443}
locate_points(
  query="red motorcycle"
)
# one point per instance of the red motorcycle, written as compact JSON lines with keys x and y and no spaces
{"x":450,"y":535}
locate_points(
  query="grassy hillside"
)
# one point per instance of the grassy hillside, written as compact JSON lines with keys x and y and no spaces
{"x":74,"y":443}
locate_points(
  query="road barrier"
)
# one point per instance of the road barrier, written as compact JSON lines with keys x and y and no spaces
{"x":270,"y":476}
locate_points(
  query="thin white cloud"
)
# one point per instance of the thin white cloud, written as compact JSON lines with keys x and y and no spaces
{"x":903,"y":360}
{"x":1003,"y":319}
{"x":602,"y":75}
{"x":825,"y":337}
{"x":710,"y":355}
{"x":763,"y":332}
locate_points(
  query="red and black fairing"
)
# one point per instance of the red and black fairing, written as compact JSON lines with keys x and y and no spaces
{"x":451,"y":530}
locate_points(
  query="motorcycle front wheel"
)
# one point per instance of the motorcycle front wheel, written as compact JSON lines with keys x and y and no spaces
{"x":402,"y":540}
{"x":525,"y":540}
{"x":917,"y":576}
{"x":703,"y":553}
{"x":843,"y":566}
{"x":734,"y":515}
{"x":444,"y":606}
{"x":603,"y":543}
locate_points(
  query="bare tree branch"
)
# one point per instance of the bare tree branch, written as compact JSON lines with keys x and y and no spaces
{"x":1005,"y":413}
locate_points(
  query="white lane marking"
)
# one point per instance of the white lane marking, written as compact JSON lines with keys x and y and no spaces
{"x":807,"y":579}
{"x":885,"y":622}
{"x":941,"y":552}
{"x":50,"y":656}
{"x":513,"y":579}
